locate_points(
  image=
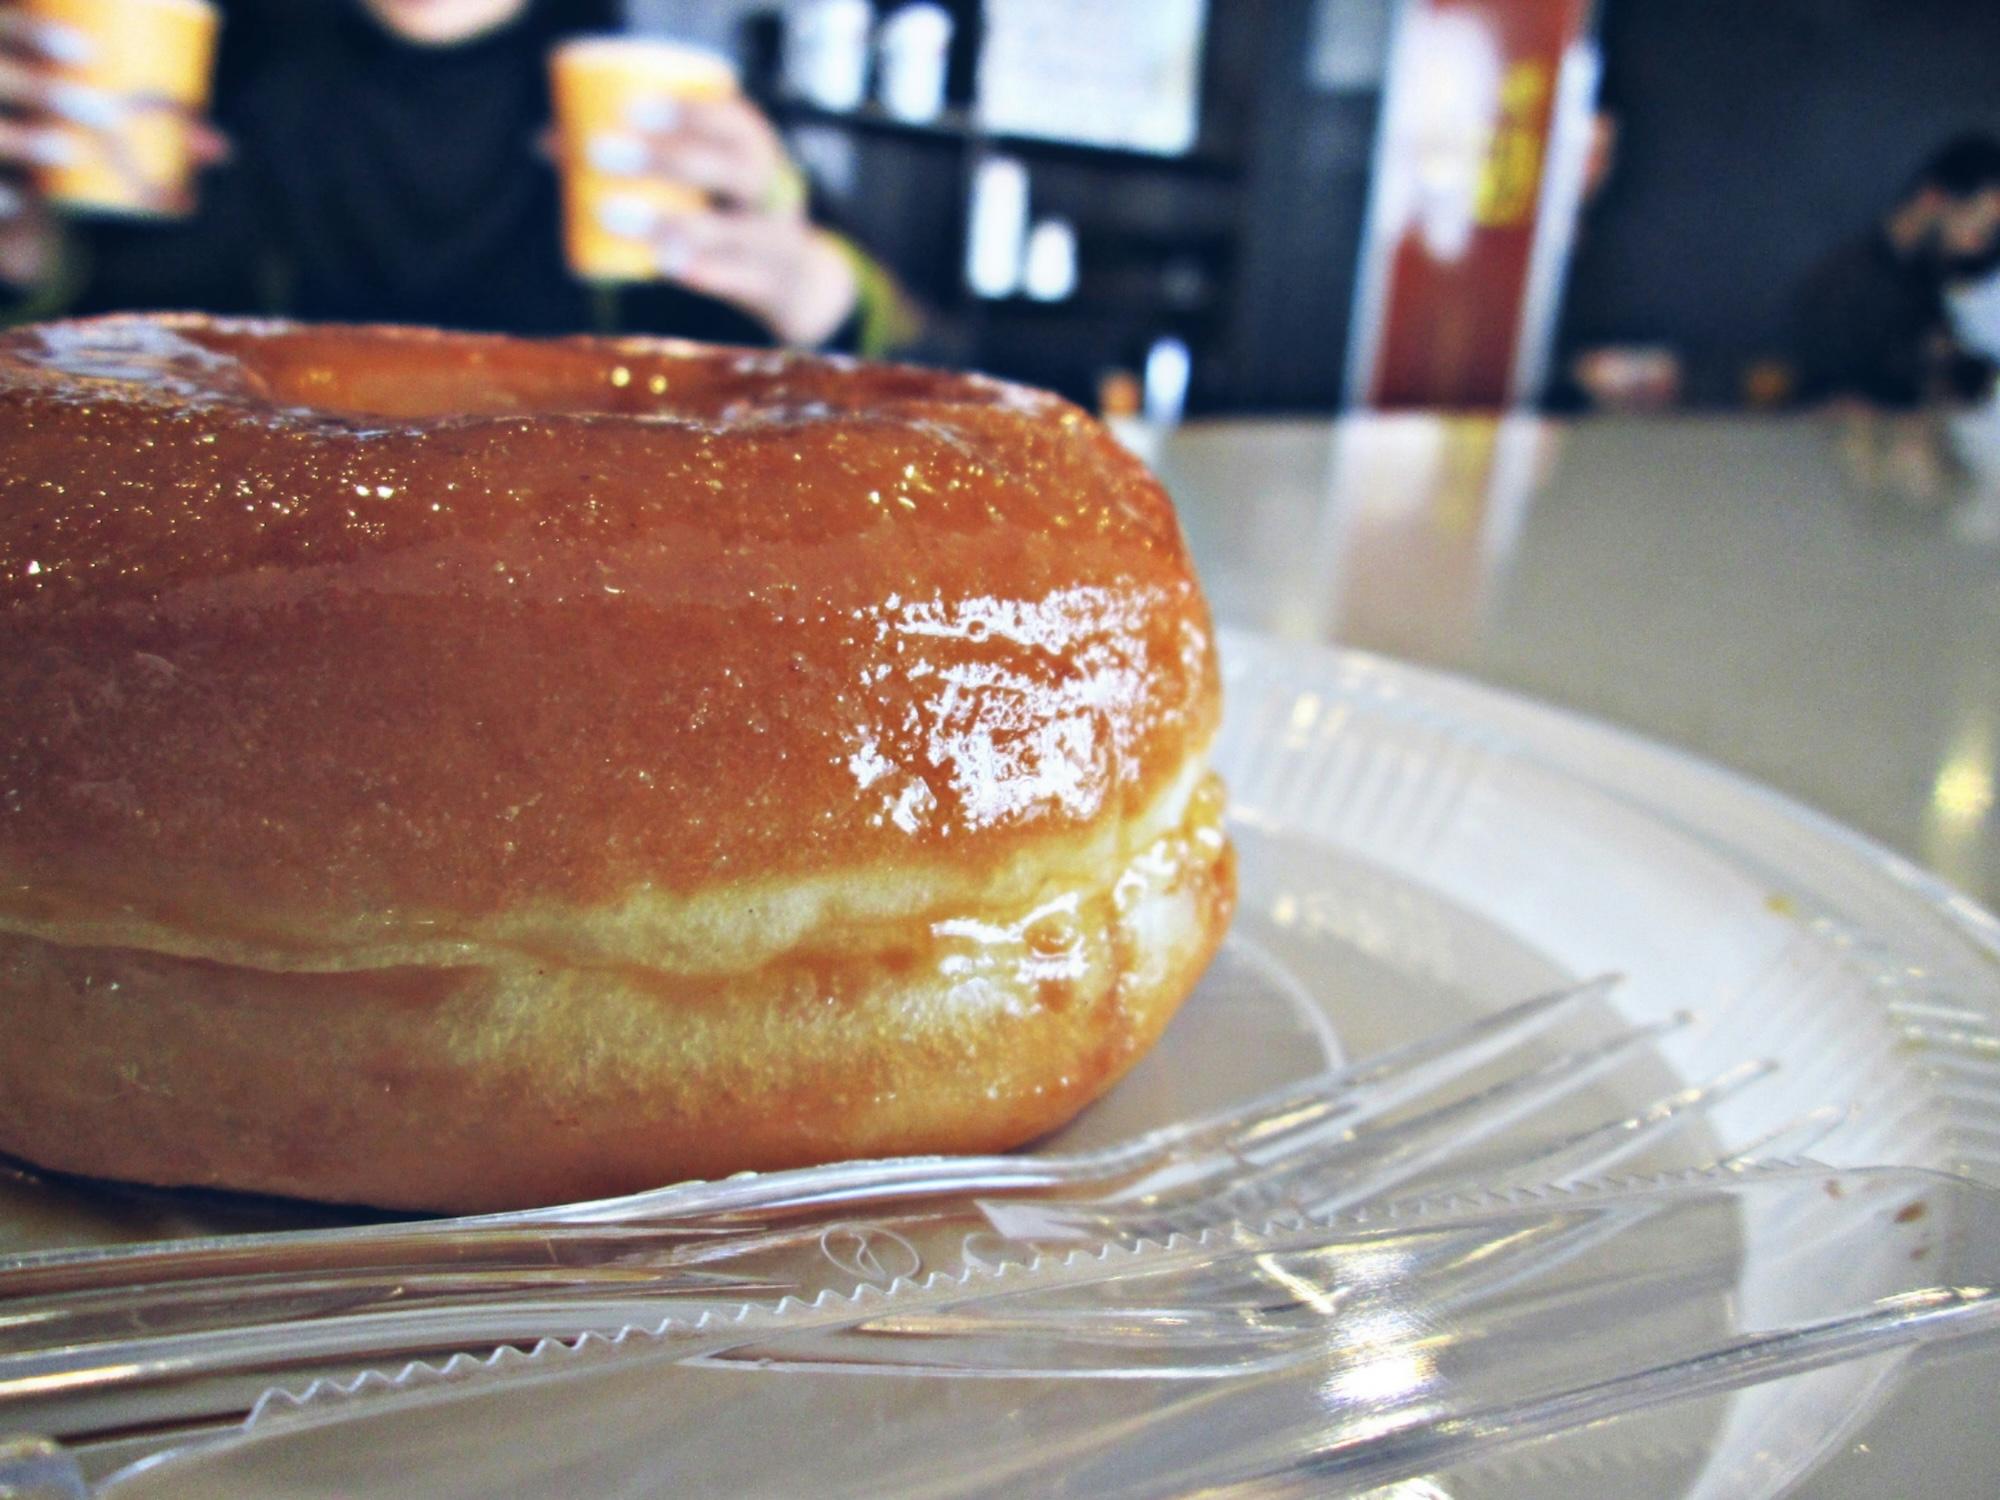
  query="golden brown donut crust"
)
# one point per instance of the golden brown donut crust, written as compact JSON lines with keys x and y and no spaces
{"x":331,"y":654}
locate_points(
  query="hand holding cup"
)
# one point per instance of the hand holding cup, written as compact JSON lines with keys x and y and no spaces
{"x":669,"y":173}
{"x":35,"y":101}
{"x":125,"y":87}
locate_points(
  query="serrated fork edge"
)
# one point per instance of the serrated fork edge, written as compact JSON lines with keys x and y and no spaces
{"x":715,"y":1330}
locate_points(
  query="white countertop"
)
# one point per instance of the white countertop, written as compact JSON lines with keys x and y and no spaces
{"x":1713,"y":582}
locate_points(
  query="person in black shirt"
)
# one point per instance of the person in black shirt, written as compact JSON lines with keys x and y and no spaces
{"x":383,"y":163}
{"x":1873,"y":320}
{"x":1875,"y":340}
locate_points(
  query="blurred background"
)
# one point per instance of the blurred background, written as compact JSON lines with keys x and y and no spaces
{"x":1654,"y":178}
{"x":1301,"y":205}
{"x":1737,"y":144}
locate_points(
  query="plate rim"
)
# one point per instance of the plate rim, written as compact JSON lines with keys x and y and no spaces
{"x":1943,"y":900}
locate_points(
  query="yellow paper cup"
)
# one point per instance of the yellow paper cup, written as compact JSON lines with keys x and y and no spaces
{"x":607,"y":90}
{"x":145,"y":81}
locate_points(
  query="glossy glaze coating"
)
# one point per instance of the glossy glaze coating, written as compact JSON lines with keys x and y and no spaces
{"x":302,"y":627}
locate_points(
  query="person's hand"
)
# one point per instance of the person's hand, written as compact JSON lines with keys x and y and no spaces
{"x":753,"y":245}
{"x":35,"y":105}
{"x":30,"y":101}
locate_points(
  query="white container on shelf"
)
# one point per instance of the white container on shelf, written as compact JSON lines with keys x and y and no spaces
{"x":997,"y":227}
{"x":1048,"y":271}
{"x":826,"y":52}
{"x":1169,"y":367}
{"x":912,"y":52}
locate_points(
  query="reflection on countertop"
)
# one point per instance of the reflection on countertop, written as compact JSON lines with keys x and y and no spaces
{"x":1713,"y":582}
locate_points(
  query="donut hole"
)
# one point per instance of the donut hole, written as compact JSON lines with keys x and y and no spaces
{"x":358,"y":374}
{"x":364,"y":375}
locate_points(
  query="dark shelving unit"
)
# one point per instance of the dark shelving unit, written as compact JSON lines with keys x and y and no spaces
{"x":1242,"y":246}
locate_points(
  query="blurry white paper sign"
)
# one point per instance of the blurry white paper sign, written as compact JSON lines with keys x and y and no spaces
{"x":1108,"y":73}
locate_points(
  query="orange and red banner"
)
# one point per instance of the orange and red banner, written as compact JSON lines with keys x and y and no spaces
{"x":1473,"y":201}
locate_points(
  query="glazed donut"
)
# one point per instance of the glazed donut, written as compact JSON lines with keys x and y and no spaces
{"x":453,"y":772}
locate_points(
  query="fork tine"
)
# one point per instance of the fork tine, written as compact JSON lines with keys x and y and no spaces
{"x":1500,"y":1030}
{"x":1590,"y":1153}
{"x":1380,"y":1083}
{"x":1180,"y":1157}
{"x":1971,"y":1042}
{"x":1473,"y":1118}
{"x":1582,"y":1158}
{"x":1327,"y":1165}
{"x":1794,"y":1139}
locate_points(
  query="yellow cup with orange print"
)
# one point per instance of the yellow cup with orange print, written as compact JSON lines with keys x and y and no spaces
{"x":609,"y":91}
{"x":141,"y":80}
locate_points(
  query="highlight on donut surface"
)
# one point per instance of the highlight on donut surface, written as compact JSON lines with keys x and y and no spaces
{"x":455,"y":772}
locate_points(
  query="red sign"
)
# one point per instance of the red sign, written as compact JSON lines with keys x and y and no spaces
{"x":1457,"y":240}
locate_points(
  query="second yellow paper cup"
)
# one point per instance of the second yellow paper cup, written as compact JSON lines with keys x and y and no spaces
{"x":608,"y":90}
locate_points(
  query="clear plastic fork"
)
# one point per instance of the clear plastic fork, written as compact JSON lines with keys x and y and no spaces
{"x":1309,"y":1359}
{"x":73,"y":1328}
